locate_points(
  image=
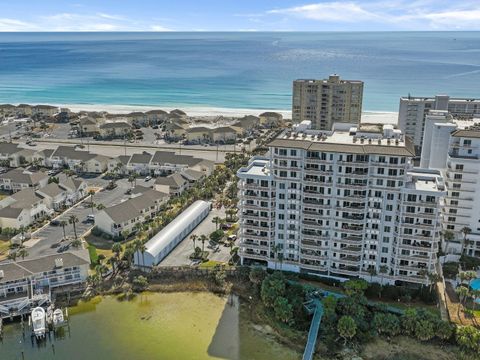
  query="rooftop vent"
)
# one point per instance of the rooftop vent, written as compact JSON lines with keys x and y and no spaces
{"x":58,"y":262}
{"x":362,"y":140}
{"x":2,"y":274}
{"x":379,"y":141}
{"x":369,"y":141}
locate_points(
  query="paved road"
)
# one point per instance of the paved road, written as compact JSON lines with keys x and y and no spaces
{"x":42,"y":240}
{"x":180,"y":255}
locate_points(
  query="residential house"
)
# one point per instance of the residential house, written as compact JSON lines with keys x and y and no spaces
{"x":140,"y":163}
{"x":23,"y":208}
{"x":118,"y":164}
{"x":24,"y":110}
{"x":224,"y":134}
{"x":248,"y":122}
{"x":97,"y":164}
{"x":14,"y":156}
{"x":27,"y":283}
{"x":19,"y":179}
{"x":42,"y":158}
{"x":114,"y":129}
{"x":156,"y":116}
{"x":88,"y":126}
{"x":44,"y":110}
{"x":122,"y":218}
{"x":173,"y":184}
{"x":67,"y":156}
{"x":138,"y":118}
{"x":270,"y":119}
{"x":199,"y":134}
{"x":7,"y":109}
{"x":175,"y":131}
{"x":54,"y":195}
{"x":75,"y":188}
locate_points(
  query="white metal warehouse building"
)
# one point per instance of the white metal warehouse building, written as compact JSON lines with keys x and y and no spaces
{"x":159,"y":246}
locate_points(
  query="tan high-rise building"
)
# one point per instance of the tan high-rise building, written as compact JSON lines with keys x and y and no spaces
{"x":325,"y":102}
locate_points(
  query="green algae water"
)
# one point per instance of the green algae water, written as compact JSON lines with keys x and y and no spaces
{"x":152,"y":326}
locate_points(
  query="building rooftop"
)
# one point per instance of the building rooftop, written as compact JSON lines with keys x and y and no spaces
{"x":367,"y":139}
{"x":22,"y":268}
{"x":143,"y":158}
{"x":163,"y":238}
{"x":174,"y":180}
{"x":132,"y":208}
{"x":24,"y":177}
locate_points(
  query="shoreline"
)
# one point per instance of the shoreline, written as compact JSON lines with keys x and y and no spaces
{"x":368,"y":116}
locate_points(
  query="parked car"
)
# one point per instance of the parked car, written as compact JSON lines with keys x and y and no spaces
{"x":148,"y":178}
{"x":226,"y":226}
{"x":54,"y":223}
{"x":232,"y":237}
{"x":91,"y":218}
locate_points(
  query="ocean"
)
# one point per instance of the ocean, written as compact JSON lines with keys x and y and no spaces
{"x":246,"y":70}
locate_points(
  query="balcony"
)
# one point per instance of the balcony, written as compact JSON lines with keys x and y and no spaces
{"x":349,"y":260}
{"x":313,"y":245}
{"x":349,"y":250}
{"x":255,"y":245}
{"x":252,"y":255}
{"x":255,"y":236}
{"x":316,"y":204}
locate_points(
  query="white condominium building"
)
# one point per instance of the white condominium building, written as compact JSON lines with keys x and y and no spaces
{"x":462,"y":208}
{"x":341,"y":203}
{"x":413,"y":110}
{"x":325,"y":102}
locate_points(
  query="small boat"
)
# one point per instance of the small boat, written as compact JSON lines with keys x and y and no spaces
{"x":58,"y":319}
{"x":38,"y":322}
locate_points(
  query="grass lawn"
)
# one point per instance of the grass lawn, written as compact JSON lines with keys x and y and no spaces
{"x":210,"y":264}
{"x":4,"y":246}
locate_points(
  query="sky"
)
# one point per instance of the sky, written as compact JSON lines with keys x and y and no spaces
{"x":239,"y":15}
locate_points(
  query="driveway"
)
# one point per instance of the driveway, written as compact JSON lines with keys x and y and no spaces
{"x":43,"y":239}
{"x":180,"y":255}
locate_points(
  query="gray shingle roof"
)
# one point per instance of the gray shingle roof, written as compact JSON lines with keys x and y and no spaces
{"x":115,"y":125}
{"x":131,"y":208}
{"x":20,"y":269}
{"x":51,"y":190}
{"x":24,"y":177}
{"x":70,"y":153}
{"x":10,"y":212}
{"x":467,"y":133}
{"x":8,"y":148}
{"x":143,"y":158}
{"x":174,"y":180}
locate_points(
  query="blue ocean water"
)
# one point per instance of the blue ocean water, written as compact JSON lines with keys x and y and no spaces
{"x":233,"y":70}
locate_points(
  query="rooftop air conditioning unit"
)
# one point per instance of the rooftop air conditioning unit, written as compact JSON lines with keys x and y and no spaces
{"x":58,"y":262}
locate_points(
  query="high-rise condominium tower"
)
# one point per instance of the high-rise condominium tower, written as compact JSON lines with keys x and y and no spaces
{"x":342,"y":203}
{"x":325,"y":102}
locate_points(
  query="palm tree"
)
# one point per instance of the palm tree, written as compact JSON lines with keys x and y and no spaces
{"x":383,"y":270}
{"x":465,"y":231}
{"x":448,"y":236}
{"x":194,"y":239}
{"x":216,"y":220}
{"x":100,"y":207}
{"x":63,"y":223}
{"x":372,"y":272}
{"x":132,"y":179}
{"x":117,"y":249}
{"x":12,"y":256}
{"x":280,"y":259}
{"x":73,"y":220}
{"x":22,"y":253}
{"x":203,"y":238}
{"x":91,"y":193}
{"x":76,"y":243}
{"x":140,"y":247}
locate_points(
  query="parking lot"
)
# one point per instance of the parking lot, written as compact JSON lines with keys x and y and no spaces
{"x":47,"y":240}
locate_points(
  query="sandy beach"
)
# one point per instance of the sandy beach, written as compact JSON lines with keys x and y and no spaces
{"x":376,"y":117}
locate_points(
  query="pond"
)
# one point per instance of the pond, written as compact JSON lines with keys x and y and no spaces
{"x":152,"y":326}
